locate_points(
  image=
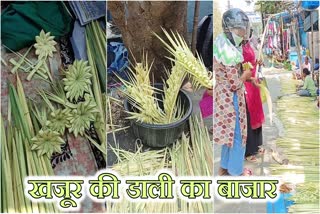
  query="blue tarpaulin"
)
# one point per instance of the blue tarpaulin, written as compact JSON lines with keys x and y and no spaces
{"x":281,"y":205}
{"x":117,"y":59}
{"x":311,"y":5}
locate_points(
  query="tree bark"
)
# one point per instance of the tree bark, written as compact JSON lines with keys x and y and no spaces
{"x":195,"y":26}
{"x":296,"y":37}
{"x":137,"y":20}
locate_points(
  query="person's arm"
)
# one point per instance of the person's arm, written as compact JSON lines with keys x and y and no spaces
{"x":309,"y":66}
{"x":255,"y":82}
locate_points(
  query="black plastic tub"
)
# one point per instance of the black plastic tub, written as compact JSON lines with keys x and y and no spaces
{"x":156,"y":135}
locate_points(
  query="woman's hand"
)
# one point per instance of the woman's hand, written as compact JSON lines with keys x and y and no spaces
{"x":246,"y":75}
{"x":259,"y":62}
{"x":255,"y":82}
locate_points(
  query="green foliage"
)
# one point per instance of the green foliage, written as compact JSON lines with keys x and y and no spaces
{"x":287,"y":65}
{"x":272,"y":7}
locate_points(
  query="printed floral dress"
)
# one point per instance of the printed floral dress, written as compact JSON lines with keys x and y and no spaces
{"x":228,"y":82}
{"x":226,"y":66}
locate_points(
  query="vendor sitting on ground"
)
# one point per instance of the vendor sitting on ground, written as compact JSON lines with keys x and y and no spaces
{"x":278,"y":57}
{"x":308,"y":89}
{"x":306,"y":64}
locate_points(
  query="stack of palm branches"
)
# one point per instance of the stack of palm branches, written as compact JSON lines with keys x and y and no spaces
{"x":35,"y":131}
{"x":190,"y":156}
{"x":301,"y":146}
{"x":18,"y":160}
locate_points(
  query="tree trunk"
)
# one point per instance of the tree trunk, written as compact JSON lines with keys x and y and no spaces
{"x":137,"y":20}
{"x":195,"y":26}
{"x":296,"y":37}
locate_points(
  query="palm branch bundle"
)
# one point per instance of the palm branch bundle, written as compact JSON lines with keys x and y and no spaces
{"x":301,"y":146}
{"x":96,"y":47}
{"x":182,"y":55}
{"x":96,"y":51}
{"x":144,"y":97}
{"x":190,"y":156}
{"x":81,"y":79}
{"x":141,"y":94}
{"x":37,"y":130}
{"x":171,"y":91}
{"x":18,"y":160}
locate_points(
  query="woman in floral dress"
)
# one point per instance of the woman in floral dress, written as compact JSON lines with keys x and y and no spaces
{"x":230,"y":120}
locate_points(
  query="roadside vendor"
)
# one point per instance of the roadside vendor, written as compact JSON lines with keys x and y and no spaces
{"x":229,"y":116}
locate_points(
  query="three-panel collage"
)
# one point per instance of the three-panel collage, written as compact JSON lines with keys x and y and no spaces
{"x":160,"y":106}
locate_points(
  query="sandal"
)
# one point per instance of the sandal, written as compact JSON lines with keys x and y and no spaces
{"x":247,"y":172}
{"x":223,"y":172}
{"x":251,"y":159}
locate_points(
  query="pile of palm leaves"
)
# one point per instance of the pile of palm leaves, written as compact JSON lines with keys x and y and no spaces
{"x":96,"y":48}
{"x":301,"y":146}
{"x":144,"y":97}
{"x":83,"y":85}
{"x":18,"y":160}
{"x":96,"y":51}
{"x":190,"y":156}
{"x":35,"y":131}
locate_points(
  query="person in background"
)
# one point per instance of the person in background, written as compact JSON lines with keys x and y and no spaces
{"x":229,"y":112}
{"x":306,"y":64}
{"x":308,"y":89}
{"x":255,"y":115}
